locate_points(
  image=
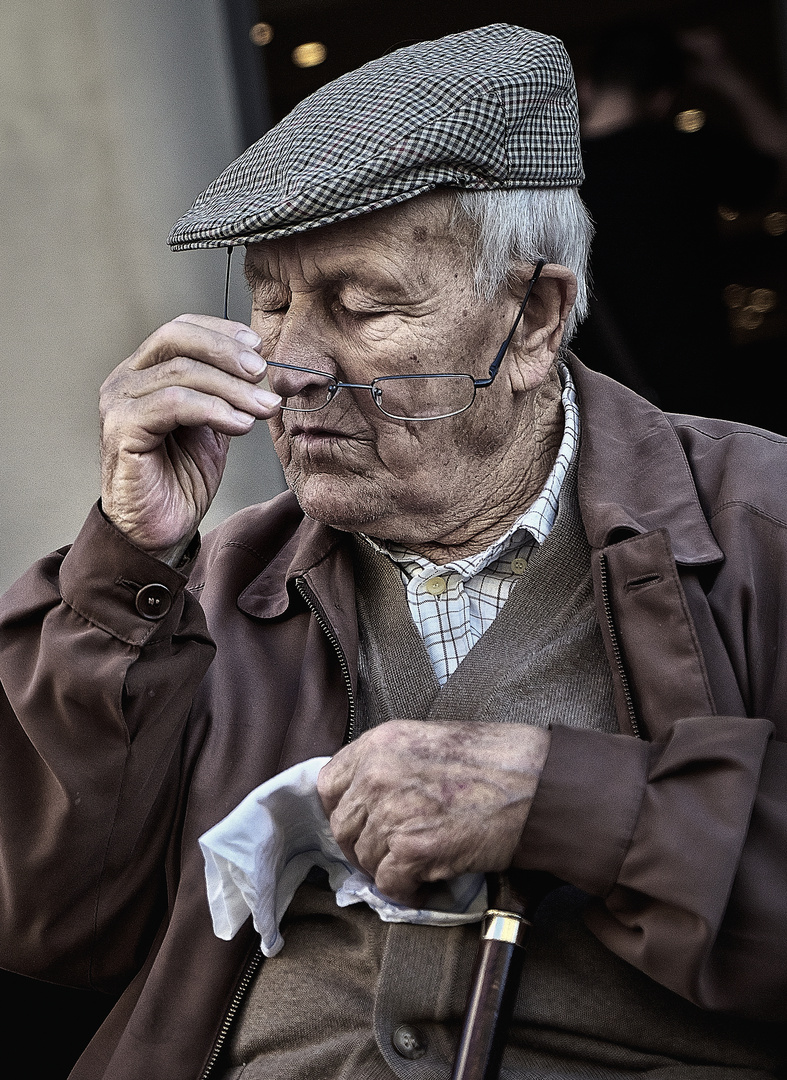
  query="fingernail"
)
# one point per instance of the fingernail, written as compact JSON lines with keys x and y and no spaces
{"x":252,"y":362}
{"x":248,"y":337}
{"x":267,"y":399}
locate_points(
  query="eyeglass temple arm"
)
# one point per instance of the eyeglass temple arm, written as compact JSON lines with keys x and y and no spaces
{"x":504,"y":347}
{"x":226,"y":309}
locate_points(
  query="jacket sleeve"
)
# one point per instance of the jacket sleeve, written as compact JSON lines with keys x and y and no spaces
{"x":683,"y":837}
{"x":679,"y":840}
{"x":95,"y":697}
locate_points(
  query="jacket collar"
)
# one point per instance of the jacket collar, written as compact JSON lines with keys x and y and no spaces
{"x":305,"y":553}
{"x":633,"y":472}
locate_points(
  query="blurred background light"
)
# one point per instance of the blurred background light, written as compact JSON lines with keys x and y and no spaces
{"x":261,"y":33}
{"x":690,"y":120}
{"x":310,"y":54}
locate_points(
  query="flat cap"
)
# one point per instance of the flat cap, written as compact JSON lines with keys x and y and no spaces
{"x":493,"y":107}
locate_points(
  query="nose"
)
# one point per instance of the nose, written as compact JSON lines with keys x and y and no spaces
{"x":301,"y":339}
{"x":291,"y":382}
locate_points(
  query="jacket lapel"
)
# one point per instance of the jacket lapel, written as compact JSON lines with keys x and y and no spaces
{"x":642,"y":515}
{"x":633,"y":473}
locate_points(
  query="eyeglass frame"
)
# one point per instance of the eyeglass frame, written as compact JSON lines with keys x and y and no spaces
{"x":335,"y":385}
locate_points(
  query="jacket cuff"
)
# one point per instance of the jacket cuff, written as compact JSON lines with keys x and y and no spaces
{"x":579,"y":828}
{"x":118,"y":587}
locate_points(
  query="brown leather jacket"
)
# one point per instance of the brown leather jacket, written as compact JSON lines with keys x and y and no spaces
{"x":125,"y":738}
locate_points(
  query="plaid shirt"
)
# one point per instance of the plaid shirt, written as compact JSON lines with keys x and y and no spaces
{"x":454,"y":604}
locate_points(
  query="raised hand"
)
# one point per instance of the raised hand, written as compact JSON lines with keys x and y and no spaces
{"x":167,"y":415}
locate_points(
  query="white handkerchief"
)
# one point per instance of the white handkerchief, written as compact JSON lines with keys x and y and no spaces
{"x":256,"y":858}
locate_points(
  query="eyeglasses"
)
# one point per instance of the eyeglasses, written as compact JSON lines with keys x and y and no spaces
{"x":434,"y":396}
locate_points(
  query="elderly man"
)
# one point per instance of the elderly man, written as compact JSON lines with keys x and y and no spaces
{"x":534,"y":623}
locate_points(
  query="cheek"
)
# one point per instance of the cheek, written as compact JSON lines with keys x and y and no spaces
{"x":268,"y":327}
{"x":280,"y":441}
{"x":416,"y":460}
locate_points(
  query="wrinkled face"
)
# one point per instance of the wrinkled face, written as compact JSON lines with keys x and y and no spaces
{"x":388,"y":293}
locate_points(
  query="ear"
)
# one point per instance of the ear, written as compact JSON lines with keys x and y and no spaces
{"x":537,"y":340}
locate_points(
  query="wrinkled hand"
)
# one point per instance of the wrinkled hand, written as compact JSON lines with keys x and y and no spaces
{"x":167,"y":415}
{"x":412,"y":802}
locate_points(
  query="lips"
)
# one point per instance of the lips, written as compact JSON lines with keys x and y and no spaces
{"x":315,"y":431}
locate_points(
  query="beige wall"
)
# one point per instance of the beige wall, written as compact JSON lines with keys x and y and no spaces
{"x":113,"y":116}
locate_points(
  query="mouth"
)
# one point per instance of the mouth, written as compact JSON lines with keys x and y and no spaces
{"x":314,"y":441}
{"x":319,"y":426}
{"x":315,"y":432}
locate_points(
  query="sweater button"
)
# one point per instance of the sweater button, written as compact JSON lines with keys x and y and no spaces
{"x":409,"y":1042}
{"x":153,"y":601}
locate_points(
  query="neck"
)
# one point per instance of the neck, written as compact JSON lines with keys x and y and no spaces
{"x":505,"y":490}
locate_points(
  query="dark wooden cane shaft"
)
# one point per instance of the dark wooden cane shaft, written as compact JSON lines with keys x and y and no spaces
{"x":497,"y":967}
{"x":495,"y":980}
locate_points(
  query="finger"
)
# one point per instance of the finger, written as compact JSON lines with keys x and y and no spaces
{"x":346,"y":829}
{"x":139,"y":424}
{"x":230,"y":327}
{"x":397,"y":880}
{"x":371,"y":845}
{"x":195,"y":375}
{"x":235,"y":354}
{"x":335,"y":777}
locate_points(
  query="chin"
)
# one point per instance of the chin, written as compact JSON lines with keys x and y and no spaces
{"x":349,"y":503}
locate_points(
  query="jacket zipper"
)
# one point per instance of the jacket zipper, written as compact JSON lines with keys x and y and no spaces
{"x":613,"y":635}
{"x":314,"y":606}
{"x":240,"y":993}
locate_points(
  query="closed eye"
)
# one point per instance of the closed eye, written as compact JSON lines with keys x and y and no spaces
{"x":361,"y":314}
{"x":267,"y":312}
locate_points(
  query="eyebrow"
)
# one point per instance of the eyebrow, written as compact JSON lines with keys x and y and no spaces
{"x":387,"y":288}
{"x":252,"y":272}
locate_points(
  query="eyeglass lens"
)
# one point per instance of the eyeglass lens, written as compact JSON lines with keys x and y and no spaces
{"x":428,"y":397}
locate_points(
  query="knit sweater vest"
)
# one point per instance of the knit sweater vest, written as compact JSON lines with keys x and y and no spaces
{"x":541,"y":662}
{"x":326,"y":1007}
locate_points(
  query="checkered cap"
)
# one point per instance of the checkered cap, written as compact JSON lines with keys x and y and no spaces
{"x":489,"y":108}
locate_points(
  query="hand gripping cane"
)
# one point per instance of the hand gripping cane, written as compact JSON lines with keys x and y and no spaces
{"x":496,"y":974}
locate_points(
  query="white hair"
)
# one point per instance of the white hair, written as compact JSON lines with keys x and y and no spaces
{"x":524,"y":225}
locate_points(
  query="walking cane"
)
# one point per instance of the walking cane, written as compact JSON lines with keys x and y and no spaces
{"x":496,"y":973}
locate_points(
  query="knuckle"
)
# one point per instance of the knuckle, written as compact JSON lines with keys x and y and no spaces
{"x":174,"y":397}
{"x":178,"y":368}
{"x":326,"y":791}
{"x":325,"y":782}
{"x":159,"y":340}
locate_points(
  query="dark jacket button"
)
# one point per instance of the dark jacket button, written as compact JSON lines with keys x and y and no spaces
{"x":409,"y":1042}
{"x":153,"y":601}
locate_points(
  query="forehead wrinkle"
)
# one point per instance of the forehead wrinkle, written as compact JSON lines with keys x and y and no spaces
{"x":393,"y":252}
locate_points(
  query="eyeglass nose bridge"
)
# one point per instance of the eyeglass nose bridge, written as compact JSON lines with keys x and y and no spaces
{"x":336,"y":386}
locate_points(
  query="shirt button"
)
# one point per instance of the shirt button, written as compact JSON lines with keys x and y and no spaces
{"x":518,"y":566}
{"x":153,"y":601}
{"x":409,"y":1042}
{"x":436,"y":585}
